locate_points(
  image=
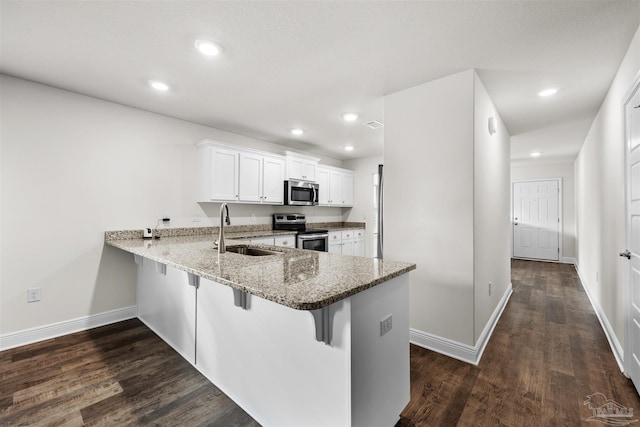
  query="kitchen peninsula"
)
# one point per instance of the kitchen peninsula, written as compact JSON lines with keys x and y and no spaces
{"x":295,"y":337}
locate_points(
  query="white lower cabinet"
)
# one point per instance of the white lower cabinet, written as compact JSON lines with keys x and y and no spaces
{"x":167,"y":305}
{"x":347,"y":242}
{"x":262,"y":240}
{"x":288,"y":241}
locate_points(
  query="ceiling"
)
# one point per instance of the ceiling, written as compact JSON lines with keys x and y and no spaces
{"x":290,"y":64}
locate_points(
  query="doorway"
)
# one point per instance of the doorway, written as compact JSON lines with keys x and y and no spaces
{"x":536,"y":219}
{"x":631,"y":255}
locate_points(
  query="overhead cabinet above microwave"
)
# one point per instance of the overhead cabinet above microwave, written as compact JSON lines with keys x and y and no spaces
{"x":227,"y":173}
{"x":301,"y":167}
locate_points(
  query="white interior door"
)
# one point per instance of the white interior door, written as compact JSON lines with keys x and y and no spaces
{"x":536,"y":220}
{"x":631,"y":255}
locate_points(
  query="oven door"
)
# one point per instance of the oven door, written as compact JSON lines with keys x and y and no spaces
{"x":314,"y":242}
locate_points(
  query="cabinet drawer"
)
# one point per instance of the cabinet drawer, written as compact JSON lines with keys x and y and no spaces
{"x":347,"y":234}
{"x":286,"y":241}
{"x":357,"y":234}
{"x":262,"y":240}
{"x":335,"y":236}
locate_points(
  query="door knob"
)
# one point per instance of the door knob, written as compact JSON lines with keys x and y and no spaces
{"x":626,"y":254}
{"x":515,"y":223}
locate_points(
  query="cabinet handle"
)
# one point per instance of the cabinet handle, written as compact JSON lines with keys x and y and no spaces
{"x":285,"y":242}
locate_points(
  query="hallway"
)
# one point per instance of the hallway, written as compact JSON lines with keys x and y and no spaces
{"x":547,"y":354}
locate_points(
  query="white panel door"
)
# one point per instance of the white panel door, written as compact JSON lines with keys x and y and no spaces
{"x":224,"y":174}
{"x":250,"y":178}
{"x":536,"y":222}
{"x":631,"y":255}
{"x":335,"y":188}
{"x":273,"y":181}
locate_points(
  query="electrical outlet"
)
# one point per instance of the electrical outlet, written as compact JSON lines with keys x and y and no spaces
{"x":489,"y":288}
{"x":34,"y":294}
{"x":386,"y":324}
{"x":253,"y":218}
{"x":195,"y":218}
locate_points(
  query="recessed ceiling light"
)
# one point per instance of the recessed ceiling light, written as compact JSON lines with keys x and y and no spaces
{"x":536,"y":154}
{"x":297,"y":131}
{"x":348,"y":148}
{"x":209,"y":48}
{"x":159,"y":86}
{"x":349,"y":117}
{"x":548,"y":92}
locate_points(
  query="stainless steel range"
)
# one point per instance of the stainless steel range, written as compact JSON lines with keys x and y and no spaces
{"x":315,"y":240}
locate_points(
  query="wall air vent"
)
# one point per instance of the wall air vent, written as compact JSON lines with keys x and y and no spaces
{"x":374,"y":124}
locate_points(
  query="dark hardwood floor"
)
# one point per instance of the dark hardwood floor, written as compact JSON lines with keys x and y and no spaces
{"x":546,"y":355}
{"x":116,"y":375}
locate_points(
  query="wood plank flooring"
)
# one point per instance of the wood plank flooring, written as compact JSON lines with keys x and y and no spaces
{"x":116,"y":375}
{"x":546,"y":355}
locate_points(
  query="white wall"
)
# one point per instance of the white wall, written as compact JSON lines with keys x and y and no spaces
{"x":600,"y":208}
{"x":362,"y":210}
{"x":428,"y":206}
{"x":491,"y":220}
{"x":447,"y":205}
{"x":534,"y":170}
{"x":74,"y":166}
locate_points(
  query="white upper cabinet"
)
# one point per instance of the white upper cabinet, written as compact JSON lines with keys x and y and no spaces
{"x":347,"y":188}
{"x":226,"y":173}
{"x":301,"y":167}
{"x":217,"y":173}
{"x":322,"y":178}
{"x":273,"y":180}
{"x":336,"y":186}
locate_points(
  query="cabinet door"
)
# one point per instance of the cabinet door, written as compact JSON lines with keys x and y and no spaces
{"x":322,"y":178}
{"x":309,"y":170}
{"x":347,"y":247}
{"x":335,"y":188}
{"x":250,"y":178}
{"x":347,"y":189}
{"x":301,"y":168}
{"x":286,"y":241}
{"x":224,"y":174}
{"x":273,"y":181}
{"x":335,"y":248}
{"x":358,"y":247}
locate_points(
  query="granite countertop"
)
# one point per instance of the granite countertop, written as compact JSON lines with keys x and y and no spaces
{"x":296,"y":278}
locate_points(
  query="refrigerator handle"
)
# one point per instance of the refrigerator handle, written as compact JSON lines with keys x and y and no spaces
{"x":380,"y":212}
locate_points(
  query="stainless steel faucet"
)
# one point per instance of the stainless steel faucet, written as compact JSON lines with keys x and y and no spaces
{"x":221,"y":246}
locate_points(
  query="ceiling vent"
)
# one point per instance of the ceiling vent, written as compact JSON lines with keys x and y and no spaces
{"x":374,"y":124}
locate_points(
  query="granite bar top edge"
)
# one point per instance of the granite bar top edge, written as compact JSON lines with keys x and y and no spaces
{"x":292,"y":301}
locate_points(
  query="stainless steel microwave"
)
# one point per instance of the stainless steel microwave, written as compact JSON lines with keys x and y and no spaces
{"x":300,"y":193}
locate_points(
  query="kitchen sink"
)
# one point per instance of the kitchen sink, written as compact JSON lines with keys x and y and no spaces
{"x":247,"y":250}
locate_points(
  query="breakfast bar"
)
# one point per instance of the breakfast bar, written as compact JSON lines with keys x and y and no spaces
{"x":294,"y":337}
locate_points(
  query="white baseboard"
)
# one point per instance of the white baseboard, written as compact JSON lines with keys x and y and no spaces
{"x":569,"y":260}
{"x":41,"y":333}
{"x":616,"y":348}
{"x":464,"y":352}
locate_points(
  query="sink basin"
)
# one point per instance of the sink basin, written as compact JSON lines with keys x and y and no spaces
{"x":246,"y":250}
